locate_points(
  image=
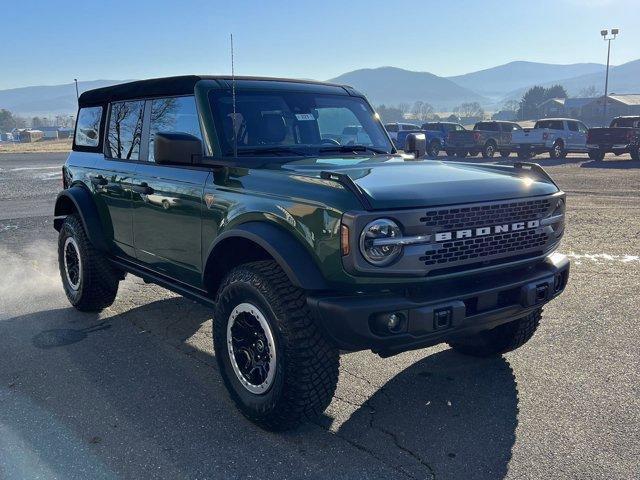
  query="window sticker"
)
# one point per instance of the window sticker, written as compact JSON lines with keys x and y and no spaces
{"x":304,"y":117}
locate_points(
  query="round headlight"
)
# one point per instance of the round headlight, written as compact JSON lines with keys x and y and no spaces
{"x":379,"y":242}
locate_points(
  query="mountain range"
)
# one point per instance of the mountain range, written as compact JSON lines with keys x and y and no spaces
{"x":389,"y":85}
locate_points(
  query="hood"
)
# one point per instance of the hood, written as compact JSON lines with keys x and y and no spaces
{"x":393,"y":182}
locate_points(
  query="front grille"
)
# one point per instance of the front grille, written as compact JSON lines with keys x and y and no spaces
{"x":480,"y":249}
{"x":486,"y":215}
{"x":477,"y":248}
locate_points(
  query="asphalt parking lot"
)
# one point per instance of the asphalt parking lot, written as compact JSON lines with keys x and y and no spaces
{"x":134,"y":392}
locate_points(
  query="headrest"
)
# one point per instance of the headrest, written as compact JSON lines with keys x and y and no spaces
{"x":273,"y":128}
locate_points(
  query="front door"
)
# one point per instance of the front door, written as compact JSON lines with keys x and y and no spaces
{"x":114,"y":172}
{"x":168,"y":200}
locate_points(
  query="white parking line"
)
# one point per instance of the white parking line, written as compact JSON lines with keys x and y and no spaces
{"x":603,"y":258}
{"x":20,"y":169}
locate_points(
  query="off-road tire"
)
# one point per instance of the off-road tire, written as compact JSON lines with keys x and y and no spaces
{"x":596,"y":155}
{"x":307,"y":362}
{"x":488,"y":150}
{"x":557,"y":151}
{"x":499,"y":340}
{"x":99,"y":280}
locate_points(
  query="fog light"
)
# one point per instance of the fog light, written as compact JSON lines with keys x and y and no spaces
{"x":389,"y":323}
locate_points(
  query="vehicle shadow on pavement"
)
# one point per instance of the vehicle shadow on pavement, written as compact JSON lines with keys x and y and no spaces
{"x":134,"y":395}
{"x":454,"y":415}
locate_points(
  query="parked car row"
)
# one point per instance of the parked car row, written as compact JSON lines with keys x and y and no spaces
{"x":555,"y":136}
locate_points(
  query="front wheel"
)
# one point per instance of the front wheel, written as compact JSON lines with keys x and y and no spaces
{"x":89,"y":280}
{"x":499,"y":340}
{"x":276,"y":362}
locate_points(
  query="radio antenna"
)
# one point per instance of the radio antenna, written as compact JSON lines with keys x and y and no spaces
{"x":233,"y":100}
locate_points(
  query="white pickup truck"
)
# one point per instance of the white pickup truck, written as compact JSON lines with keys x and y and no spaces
{"x":556,"y":136}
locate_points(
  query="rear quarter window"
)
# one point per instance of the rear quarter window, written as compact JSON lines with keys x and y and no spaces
{"x":125,"y":130}
{"x":87,"y":133}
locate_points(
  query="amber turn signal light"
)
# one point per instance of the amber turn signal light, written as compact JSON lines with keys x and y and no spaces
{"x":344,"y":239}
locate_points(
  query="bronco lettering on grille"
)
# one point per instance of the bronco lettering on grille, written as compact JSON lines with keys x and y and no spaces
{"x":482,"y":231}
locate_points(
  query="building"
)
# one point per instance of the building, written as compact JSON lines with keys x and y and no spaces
{"x":591,"y":110}
{"x":49,"y":133}
{"x":563,"y":107}
{"x":617,"y":105}
{"x":30,"y":135}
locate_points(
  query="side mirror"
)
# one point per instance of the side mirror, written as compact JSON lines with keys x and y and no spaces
{"x":176,"y":148}
{"x":416,"y":143}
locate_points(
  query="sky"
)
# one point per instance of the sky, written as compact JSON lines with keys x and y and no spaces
{"x":46,"y":42}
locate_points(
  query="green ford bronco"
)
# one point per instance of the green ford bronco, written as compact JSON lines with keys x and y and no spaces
{"x":283,"y":205}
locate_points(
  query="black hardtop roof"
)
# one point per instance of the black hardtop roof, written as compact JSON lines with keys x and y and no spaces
{"x":184,"y":85}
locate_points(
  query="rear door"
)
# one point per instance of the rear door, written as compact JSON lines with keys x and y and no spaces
{"x":114,"y":171}
{"x":167,"y":199}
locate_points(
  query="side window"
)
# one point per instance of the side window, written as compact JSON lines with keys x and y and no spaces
{"x":392,"y":127}
{"x":556,"y":125}
{"x":125,"y":130}
{"x":174,"y":114}
{"x":582,"y":128}
{"x":88,"y":127}
{"x":573,"y":126}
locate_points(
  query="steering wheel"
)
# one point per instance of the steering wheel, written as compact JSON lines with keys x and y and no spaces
{"x":329,"y":141}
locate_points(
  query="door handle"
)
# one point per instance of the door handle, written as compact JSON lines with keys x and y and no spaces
{"x":142,"y":189}
{"x":99,"y":181}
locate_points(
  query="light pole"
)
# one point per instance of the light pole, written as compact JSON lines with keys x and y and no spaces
{"x":607,"y":38}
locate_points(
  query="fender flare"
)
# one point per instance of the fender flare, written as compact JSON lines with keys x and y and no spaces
{"x":84,"y":205}
{"x":294,"y":259}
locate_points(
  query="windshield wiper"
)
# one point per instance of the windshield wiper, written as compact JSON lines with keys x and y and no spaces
{"x":281,"y":151}
{"x":353,"y":148}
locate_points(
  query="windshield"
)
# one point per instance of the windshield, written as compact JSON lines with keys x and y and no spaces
{"x":297,"y":124}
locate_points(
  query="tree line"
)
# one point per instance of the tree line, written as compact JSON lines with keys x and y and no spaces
{"x":423,"y":111}
{"x":9,"y":121}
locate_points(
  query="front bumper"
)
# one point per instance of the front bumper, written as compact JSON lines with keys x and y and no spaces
{"x":442,"y":311}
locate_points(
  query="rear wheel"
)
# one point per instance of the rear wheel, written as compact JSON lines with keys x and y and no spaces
{"x":596,"y":155}
{"x":434,"y":148}
{"x":274,"y":359}
{"x":557,"y":150}
{"x":489,"y":150}
{"x":89,"y":280}
{"x":499,"y":340}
